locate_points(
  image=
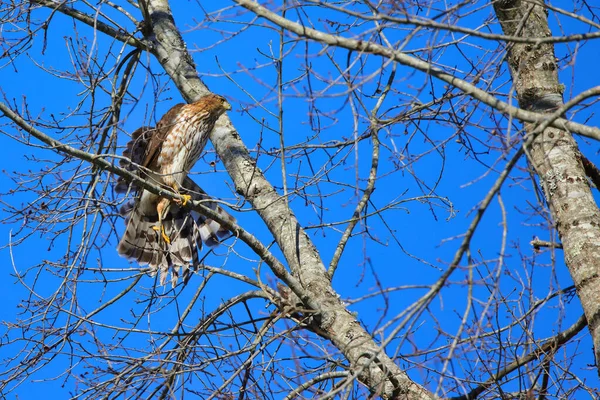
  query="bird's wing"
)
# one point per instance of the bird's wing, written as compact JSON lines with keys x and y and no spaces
{"x":133,"y":156}
{"x":159,"y":135}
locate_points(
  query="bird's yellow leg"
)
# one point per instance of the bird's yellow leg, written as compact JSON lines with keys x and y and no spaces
{"x":160,"y":209}
{"x":164,"y":235}
{"x":186,"y":197}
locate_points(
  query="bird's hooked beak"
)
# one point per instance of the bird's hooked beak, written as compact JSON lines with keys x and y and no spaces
{"x":226,"y":106}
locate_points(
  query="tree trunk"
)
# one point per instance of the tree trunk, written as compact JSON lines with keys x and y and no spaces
{"x":554,"y":153}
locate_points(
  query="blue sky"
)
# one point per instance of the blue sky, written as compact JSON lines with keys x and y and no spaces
{"x":421,"y":229}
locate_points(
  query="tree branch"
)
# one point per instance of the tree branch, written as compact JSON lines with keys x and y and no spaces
{"x":118,"y":34}
{"x":554,"y":154}
{"x":373,"y":48}
{"x":549,"y":347}
{"x":336,"y":323}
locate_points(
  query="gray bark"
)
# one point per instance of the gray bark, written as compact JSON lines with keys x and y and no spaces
{"x":555,"y":154}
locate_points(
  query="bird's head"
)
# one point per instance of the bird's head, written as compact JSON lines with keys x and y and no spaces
{"x":226,"y":104}
{"x":213,"y":102}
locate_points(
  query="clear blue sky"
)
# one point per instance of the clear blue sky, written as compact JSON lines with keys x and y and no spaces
{"x":422,"y":230}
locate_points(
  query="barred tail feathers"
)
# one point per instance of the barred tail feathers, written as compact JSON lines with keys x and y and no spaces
{"x":211,"y":232}
{"x":143,"y":243}
{"x":186,"y":231}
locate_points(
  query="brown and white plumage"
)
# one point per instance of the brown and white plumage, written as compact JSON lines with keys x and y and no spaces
{"x":160,"y":233}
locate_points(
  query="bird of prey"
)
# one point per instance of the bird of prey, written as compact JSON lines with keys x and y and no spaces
{"x":160,"y":233}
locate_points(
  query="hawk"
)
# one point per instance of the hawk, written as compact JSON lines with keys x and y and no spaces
{"x":160,"y":233}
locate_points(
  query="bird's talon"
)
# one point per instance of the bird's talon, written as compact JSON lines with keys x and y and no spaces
{"x":164,"y":235}
{"x":186,"y":199}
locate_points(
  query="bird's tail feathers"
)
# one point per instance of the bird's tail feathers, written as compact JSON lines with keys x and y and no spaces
{"x":143,"y":242}
{"x":211,"y":232}
{"x":186,"y":231}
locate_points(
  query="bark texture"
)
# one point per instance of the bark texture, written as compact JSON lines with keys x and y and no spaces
{"x":330,"y":318}
{"x":554,"y":152}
